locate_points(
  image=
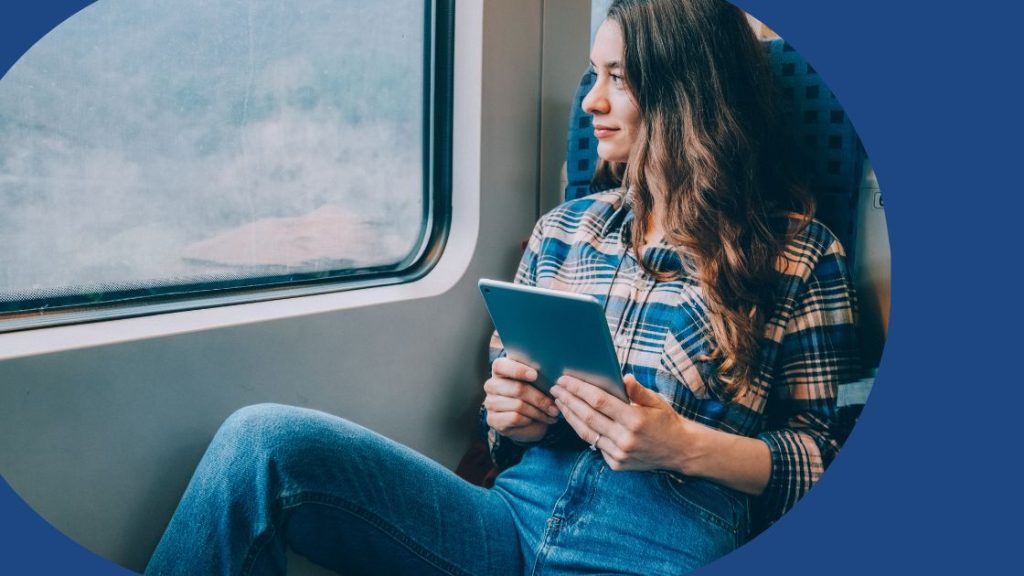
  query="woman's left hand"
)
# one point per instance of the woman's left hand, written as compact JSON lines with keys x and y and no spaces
{"x":646,"y":434}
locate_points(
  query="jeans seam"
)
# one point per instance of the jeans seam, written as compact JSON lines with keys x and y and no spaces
{"x":256,"y":548}
{"x":295,"y":500}
{"x":552,"y":526}
{"x":559,"y":511}
{"x":552,"y":529}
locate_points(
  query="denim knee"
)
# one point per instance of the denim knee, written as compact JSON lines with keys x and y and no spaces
{"x":257,"y":433}
{"x":286,"y":435}
{"x":256,"y":417}
{"x":258,"y":422}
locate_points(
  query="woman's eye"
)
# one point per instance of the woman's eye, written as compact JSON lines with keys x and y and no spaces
{"x":617,"y":79}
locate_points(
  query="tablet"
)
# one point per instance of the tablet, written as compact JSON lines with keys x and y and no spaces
{"x":555,"y":333}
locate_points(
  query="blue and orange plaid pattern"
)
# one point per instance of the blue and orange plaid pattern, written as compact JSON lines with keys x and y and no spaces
{"x":662,"y":334}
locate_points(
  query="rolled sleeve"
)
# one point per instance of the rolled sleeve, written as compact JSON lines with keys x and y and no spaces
{"x":818,"y":353}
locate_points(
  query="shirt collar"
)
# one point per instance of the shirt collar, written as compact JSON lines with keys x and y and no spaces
{"x":661,"y":258}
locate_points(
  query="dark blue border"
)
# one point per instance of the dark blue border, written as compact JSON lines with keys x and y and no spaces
{"x":924,"y":483}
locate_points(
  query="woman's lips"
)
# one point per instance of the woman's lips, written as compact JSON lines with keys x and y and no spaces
{"x":601,"y":131}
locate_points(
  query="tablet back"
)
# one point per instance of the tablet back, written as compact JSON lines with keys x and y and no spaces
{"x":554,"y":332}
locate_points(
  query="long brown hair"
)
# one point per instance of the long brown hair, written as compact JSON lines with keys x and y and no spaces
{"x":710,"y":144}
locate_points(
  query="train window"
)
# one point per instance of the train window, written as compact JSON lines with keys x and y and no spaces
{"x":165,"y":155}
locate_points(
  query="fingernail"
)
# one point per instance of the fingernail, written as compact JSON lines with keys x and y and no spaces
{"x":553,"y":411}
{"x":556,"y":390}
{"x":531,"y":374}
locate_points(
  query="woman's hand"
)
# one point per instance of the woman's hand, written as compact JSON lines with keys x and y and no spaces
{"x":516,"y":409}
{"x":646,"y":434}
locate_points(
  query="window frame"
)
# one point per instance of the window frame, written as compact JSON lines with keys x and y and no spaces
{"x":135,"y":301}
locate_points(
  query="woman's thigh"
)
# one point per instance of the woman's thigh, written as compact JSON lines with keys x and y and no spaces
{"x":341,"y":495}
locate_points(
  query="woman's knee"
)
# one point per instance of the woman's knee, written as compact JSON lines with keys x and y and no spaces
{"x":256,"y":420}
{"x":280,"y":432}
{"x":259,"y":429}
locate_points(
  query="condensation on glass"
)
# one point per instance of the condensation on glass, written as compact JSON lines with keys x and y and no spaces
{"x":148,"y":144}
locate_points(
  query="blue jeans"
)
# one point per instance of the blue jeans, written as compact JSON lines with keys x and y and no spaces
{"x":357,"y":503}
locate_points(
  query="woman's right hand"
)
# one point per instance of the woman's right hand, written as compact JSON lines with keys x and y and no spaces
{"x":515,"y":408}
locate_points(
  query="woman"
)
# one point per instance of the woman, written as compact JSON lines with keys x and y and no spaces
{"x":733,"y":318}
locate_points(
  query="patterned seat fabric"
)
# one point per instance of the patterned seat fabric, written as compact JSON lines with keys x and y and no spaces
{"x":833,"y":151}
{"x":581,"y":147}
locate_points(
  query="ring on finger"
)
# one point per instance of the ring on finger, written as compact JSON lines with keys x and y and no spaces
{"x":593,"y":446}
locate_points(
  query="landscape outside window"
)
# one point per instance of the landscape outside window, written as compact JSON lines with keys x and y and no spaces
{"x":147,"y":143}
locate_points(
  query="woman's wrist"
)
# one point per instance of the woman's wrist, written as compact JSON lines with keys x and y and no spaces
{"x":692,"y":443}
{"x":735,"y":461}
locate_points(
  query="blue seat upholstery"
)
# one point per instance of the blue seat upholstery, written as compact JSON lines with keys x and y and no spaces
{"x":833,"y":151}
{"x":581,"y":147}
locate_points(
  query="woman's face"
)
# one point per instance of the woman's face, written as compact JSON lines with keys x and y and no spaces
{"x":616,"y":116}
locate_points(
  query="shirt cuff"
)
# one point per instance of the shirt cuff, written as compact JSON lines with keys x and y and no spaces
{"x":792,"y":473}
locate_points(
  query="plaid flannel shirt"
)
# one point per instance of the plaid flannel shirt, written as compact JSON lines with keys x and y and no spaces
{"x":661,"y":332}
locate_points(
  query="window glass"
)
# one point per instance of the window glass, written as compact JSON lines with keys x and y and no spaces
{"x":150,"y":146}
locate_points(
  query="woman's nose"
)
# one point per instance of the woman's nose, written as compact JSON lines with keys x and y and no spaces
{"x":595,"y":102}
